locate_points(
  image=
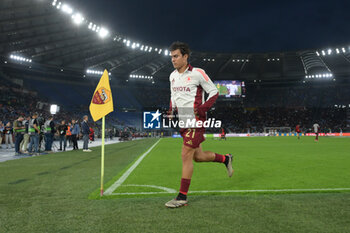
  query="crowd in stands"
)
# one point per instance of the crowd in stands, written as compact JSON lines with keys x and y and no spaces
{"x":265,"y":107}
{"x":239,"y":119}
{"x":22,"y":111}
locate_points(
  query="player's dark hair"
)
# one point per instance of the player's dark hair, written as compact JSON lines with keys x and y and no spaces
{"x":183,"y":47}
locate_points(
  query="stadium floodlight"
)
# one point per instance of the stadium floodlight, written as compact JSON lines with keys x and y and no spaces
{"x":77,"y":18}
{"x":343,"y":49}
{"x":337,"y":50}
{"x":59,"y":5}
{"x":137,"y":45}
{"x":54,"y":108}
{"x":213,"y":59}
{"x":54,"y":2}
{"x":67,"y":9}
{"x":133,"y":46}
{"x":268,"y":59}
{"x":103,"y":32}
{"x":329,"y":51}
{"x":20,"y":58}
{"x":156,"y":49}
{"x":146,"y":48}
{"x":233,"y":60}
{"x":160,"y":51}
{"x":150,"y":49}
{"x":166,"y":52}
{"x":317,"y":53}
{"x":323,"y":53}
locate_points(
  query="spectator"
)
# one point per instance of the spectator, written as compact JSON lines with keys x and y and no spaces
{"x":25,"y":141}
{"x":2,"y":128}
{"x":86,"y":131}
{"x":75,"y":133}
{"x":69,"y":134}
{"x":34,"y":131}
{"x":8,"y":135}
{"x":92,"y":134}
{"x":62,"y":131}
{"x":49,"y":129}
{"x":19,"y":131}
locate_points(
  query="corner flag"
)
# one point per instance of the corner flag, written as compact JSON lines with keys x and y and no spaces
{"x":102,"y":102}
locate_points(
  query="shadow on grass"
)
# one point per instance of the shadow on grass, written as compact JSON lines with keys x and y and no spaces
{"x":18,"y":181}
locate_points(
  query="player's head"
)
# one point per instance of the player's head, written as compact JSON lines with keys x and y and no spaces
{"x":180,"y":52}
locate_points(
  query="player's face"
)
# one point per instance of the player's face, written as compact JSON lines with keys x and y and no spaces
{"x":178,"y":59}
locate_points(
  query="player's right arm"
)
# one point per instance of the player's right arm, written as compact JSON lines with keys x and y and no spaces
{"x":172,"y":104}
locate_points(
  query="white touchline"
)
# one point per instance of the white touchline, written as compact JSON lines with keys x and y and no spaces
{"x":121,"y":180}
{"x":244,"y":191}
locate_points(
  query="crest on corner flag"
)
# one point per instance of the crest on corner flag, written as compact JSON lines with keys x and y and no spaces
{"x":102,"y":101}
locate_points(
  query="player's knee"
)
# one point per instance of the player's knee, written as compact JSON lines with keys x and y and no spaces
{"x":197,"y":159}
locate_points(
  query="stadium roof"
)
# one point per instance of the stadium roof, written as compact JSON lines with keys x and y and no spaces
{"x":54,"y":35}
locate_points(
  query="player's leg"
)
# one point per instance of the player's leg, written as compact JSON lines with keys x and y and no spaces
{"x":208,"y":156}
{"x":187,"y":154}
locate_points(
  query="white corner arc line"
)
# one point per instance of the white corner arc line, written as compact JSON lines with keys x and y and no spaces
{"x":121,"y":180}
{"x":168,"y":190}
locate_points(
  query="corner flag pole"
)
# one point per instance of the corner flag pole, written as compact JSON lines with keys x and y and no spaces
{"x":102,"y":154}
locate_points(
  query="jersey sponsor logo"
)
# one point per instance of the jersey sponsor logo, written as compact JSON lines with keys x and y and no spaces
{"x":189,"y":142}
{"x":151,"y":120}
{"x":101,"y":96}
{"x":182,"y":89}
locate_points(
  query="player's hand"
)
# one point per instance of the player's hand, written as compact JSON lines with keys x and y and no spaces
{"x":199,"y":111}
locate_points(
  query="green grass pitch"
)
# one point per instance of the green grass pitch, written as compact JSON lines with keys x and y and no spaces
{"x":59,"y":192}
{"x":271,"y":164}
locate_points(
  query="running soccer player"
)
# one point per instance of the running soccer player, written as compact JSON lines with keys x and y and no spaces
{"x":187,"y":85}
{"x":316,"y":130}
{"x":297,"y":130}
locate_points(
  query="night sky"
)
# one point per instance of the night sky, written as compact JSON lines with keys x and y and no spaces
{"x":226,"y":26}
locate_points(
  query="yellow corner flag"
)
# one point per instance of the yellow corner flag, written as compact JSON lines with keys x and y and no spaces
{"x":102,"y":102}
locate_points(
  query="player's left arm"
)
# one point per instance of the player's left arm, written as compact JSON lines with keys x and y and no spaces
{"x":209,"y":87}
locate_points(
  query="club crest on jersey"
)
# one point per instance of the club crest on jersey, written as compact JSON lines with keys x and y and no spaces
{"x":188,"y":79}
{"x":101,"y":96}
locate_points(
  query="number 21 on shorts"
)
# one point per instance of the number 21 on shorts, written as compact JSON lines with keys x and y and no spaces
{"x":189,"y":132}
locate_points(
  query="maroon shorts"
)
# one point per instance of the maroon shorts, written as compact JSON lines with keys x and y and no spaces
{"x":193,"y":137}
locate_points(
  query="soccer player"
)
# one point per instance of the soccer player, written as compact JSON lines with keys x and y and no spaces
{"x":316,"y":130}
{"x":297,"y":130}
{"x":223,"y":134}
{"x":188,"y":85}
